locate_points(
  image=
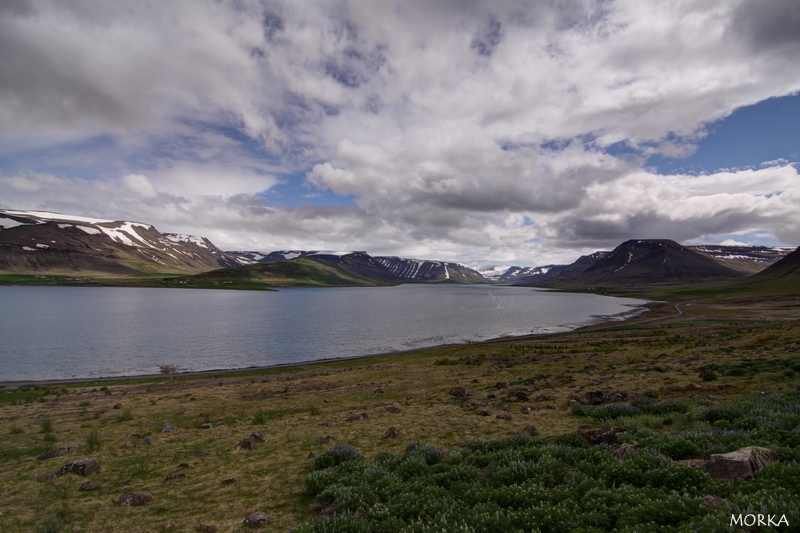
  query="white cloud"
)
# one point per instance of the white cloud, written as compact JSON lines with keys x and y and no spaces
{"x":432,"y":114}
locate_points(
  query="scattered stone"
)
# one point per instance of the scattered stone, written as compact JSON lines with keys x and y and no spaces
{"x":503,"y":416}
{"x":525,"y":409}
{"x":259,"y":518}
{"x":184,"y":465}
{"x":147,"y":440}
{"x":741,"y":464}
{"x":483,"y":412}
{"x":491,"y":396}
{"x":710,"y":501}
{"x":89,"y":485}
{"x":506,"y":408}
{"x":550,"y":406}
{"x":247,"y":444}
{"x":501,"y":384}
{"x":601,"y":435}
{"x":601,"y":397}
{"x":167,"y":428}
{"x":174,"y":477}
{"x":57,"y":452}
{"x":530,"y":428}
{"x":135,"y":498}
{"x":622,"y":451}
{"x":542,"y":398}
{"x":256,"y":434}
{"x":117,"y":406}
{"x":311,"y":455}
{"x":691,"y":463}
{"x":326,"y":424}
{"x":324,"y":440}
{"x":694,"y":386}
{"x":596,"y":381}
{"x":520,"y":395}
{"x":229,"y":481}
{"x":379,"y":391}
{"x":81,"y":467}
{"x":392,"y":409}
{"x":391,"y":433}
{"x":362,"y":416}
{"x":458,"y":392}
{"x":206,"y":528}
{"x":207,"y":425}
{"x":475,"y":380}
{"x":200,"y":453}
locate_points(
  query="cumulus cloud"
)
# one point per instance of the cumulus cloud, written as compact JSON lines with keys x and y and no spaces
{"x":464,"y":130}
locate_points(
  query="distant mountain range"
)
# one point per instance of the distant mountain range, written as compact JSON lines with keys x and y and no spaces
{"x":38,"y":242}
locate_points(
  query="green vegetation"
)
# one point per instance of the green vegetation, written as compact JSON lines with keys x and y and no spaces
{"x":522,"y":484}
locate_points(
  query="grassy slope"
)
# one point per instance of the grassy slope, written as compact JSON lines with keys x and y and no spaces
{"x":301,"y":272}
{"x":293,"y":407}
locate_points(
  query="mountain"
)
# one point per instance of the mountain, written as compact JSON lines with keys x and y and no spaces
{"x":39,"y":241}
{"x":647,"y":262}
{"x":424,"y":270}
{"x":388,"y":269}
{"x":785,"y":271}
{"x":745,"y":259}
{"x":297,"y":272}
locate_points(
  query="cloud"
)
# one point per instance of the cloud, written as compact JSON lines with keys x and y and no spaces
{"x":466,"y":130}
{"x":140,"y":185}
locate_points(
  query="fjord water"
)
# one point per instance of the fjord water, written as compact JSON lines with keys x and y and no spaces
{"x":84,"y":332}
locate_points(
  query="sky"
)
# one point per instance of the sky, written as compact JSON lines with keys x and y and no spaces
{"x":505,"y":132}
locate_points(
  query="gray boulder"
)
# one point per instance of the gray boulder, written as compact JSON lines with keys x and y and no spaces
{"x":259,"y":518}
{"x":741,"y":464}
{"x":135,"y":498}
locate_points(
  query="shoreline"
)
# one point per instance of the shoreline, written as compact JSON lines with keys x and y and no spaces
{"x":604,"y":322}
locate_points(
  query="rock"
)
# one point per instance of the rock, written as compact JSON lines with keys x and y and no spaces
{"x":324,"y":440}
{"x":89,"y":485}
{"x":259,"y":518}
{"x":601,"y":397}
{"x":693,"y":386}
{"x":741,"y":464}
{"x":525,"y":409}
{"x":362,"y":416}
{"x":542,"y":398}
{"x":81,"y":467}
{"x":311,"y":455}
{"x":207,"y":425}
{"x":710,"y":501}
{"x":596,"y":381}
{"x":135,"y":498}
{"x":184,"y":465}
{"x":391,"y":433}
{"x":502,"y":384}
{"x":458,"y":392}
{"x":199,"y":453}
{"x":247,"y":444}
{"x":325,"y":424}
{"x":601,"y":435}
{"x":522,"y":396}
{"x":57,"y":452}
{"x":483,"y":412}
{"x":392,"y":409}
{"x":506,"y":408}
{"x":475,"y":380}
{"x":174,"y":477}
{"x":256,"y":434}
{"x":503,"y":416}
{"x":530,"y":428}
{"x":229,"y":481}
{"x":147,"y":440}
{"x":622,"y":451}
{"x":206,"y":528}
{"x":167,"y":428}
{"x":117,"y":406}
{"x":379,"y":391}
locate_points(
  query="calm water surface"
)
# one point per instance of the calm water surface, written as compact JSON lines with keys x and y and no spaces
{"x":71,"y":332}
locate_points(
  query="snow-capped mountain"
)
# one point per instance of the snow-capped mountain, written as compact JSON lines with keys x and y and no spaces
{"x":42,"y":241}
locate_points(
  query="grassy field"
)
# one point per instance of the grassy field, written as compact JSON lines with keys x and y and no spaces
{"x":726,"y":347}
